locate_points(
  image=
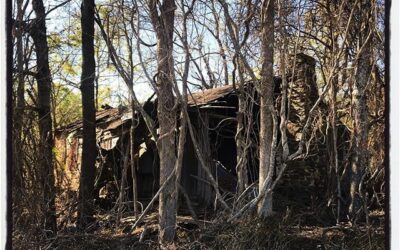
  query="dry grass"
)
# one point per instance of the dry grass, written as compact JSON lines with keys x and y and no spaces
{"x":300,"y":229}
{"x":282,"y":231}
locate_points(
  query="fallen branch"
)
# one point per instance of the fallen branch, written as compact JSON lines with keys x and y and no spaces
{"x":143,"y":234}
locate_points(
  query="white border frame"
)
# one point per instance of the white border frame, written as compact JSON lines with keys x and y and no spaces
{"x":3,"y":124}
{"x":394,"y":143}
{"x":394,"y":118}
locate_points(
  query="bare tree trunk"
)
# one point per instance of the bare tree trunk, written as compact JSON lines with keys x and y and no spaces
{"x":133,"y":166}
{"x":19,"y":102}
{"x":89,"y":151}
{"x":242,"y":65}
{"x":240,"y":137}
{"x":183,"y":100}
{"x":266,"y":105}
{"x":333,"y":150}
{"x":181,"y":146}
{"x":44,"y":80}
{"x":163,"y":24}
{"x":220,"y":44}
{"x":122,"y":196}
{"x":284,"y":92}
{"x":360,"y":112}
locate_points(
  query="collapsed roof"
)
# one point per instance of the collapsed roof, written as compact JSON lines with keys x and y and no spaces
{"x":112,"y":118}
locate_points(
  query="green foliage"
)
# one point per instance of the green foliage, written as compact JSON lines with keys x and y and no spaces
{"x":68,"y":103}
{"x":69,"y":68}
{"x":54,"y":40}
{"x":104,"y":95}
{"x":68,"y":107}
{"x":74,"y":39}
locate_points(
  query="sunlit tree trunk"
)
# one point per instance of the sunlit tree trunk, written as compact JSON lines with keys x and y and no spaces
{"x":240,"y":136}
{"x":163,"y":24}
{"x":266,"y":106}
{"x":360,"y":112}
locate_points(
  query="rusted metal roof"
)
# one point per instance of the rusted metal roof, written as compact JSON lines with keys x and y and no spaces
{"x":113,"y":118}
{"x":102,"y":117}
{"x":209,"y":95}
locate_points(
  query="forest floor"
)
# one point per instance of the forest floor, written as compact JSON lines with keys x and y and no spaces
{"x":285,"y":230}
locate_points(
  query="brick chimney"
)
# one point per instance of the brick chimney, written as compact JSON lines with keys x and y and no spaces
{"x":302,"y":91}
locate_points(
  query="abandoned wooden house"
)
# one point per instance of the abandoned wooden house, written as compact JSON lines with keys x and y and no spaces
{"x":213,"y":113}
